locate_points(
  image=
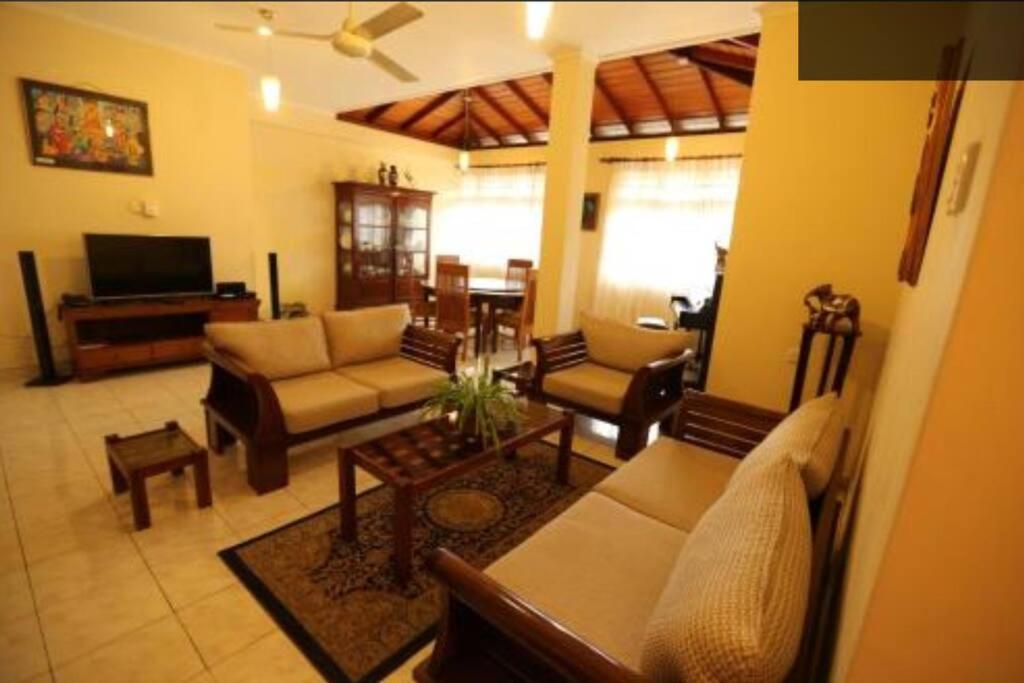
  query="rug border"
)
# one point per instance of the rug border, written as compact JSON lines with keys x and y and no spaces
{"x":293,"y":628}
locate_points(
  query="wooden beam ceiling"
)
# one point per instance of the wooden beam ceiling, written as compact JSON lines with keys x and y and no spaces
{"x":684,"y":91}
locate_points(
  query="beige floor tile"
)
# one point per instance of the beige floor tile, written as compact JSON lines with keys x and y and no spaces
{"x":16,"y":599}
{"x":65,"y":577}
{"x":11,"y":556}
{"x":192,"y":576}
{"x":80,"y":531}
{"x":76,"y":627}
{"x":225,"y":623}
{"x":22,"y":654}
{"x":158,"y":653}
{"x":245,"y":508}
{"x":271,"y":659}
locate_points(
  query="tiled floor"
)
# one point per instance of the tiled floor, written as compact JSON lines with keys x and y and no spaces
{"x":83,"y":597}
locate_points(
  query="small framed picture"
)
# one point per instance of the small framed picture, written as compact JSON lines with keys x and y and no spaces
{"x":591,"y":205}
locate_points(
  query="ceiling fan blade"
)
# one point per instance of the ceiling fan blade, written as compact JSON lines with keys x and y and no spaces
{"x":392,"y":67}
{"x":233,"y":27}
{"x":391,"y":19}
{"x":302,"y":34}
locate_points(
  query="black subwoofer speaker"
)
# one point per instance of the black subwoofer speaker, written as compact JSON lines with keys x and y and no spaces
{"x":37,"y":315}
{"x":275,"y":298}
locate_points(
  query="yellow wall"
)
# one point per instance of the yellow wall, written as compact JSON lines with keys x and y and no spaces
{"x":827,"y":177}
{"x":199,"y":119}
{"x":948,"y":604}
{"x":919,"y":334}
{"x":297,"y":154}
{"x":598,"y":179}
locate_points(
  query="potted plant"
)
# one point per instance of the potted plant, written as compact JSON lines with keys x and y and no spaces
{"x":483,"y":408}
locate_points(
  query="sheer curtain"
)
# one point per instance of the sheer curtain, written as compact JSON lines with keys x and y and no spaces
{"x":664,"y":220}
{"x":495,"y":214}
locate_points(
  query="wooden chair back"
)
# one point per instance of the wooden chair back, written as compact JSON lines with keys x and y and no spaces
{"x":516,"y":272}
{"x":529,"y":306}
{"x":452,"y":291}
{"x":447,"y":258}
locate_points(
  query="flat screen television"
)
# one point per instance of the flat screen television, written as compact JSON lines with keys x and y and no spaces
{"x":136,"y":266}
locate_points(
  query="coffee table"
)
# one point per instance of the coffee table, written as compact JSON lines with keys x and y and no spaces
{"x":422,"y":457}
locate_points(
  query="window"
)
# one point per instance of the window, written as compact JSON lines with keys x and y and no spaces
{"x":495,"y":214}
{"x":664,"y":220}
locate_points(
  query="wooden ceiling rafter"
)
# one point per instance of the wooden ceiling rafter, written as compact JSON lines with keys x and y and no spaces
{"x":681,"y":91}
{"x":503,"y":113}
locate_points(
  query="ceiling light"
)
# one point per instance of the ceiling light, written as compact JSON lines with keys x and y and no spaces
{"x":537,"y":15}
{"x":270,"y":87}
{"x":463,"y":161}
{"x":264,"y":31}
{"x":671,"y":149}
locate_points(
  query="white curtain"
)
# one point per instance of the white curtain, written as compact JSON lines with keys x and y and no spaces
{"x":664,"y":220}
{"x":495,"y":214}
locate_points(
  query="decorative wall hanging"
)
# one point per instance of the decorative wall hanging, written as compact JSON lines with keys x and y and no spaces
{"x":949,"y":89}
{"x":73,"y":128}
{"x":591,"y":204}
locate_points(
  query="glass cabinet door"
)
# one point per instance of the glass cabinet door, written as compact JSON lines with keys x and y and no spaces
{"x":372,"y":232}
{"x":412,"y":241}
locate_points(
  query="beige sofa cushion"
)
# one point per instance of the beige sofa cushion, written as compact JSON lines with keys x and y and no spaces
{"x":398,"y":381}
{"x":320,"y":399}
{"x":590,"y":384}
{"x":365,"y":334}
{"x":274,"y":348}
{"x":733,"y":608}
{"x":810,"y":437}
{"x":672,"y":481}
{"x":597,"y":568}
{"x":628,"y":347}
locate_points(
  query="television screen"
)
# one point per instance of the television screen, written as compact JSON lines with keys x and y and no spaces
{"x":127,"y":266}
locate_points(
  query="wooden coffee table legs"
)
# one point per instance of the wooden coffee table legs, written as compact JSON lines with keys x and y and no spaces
{"x":347,"y":493}
{"x":403,"y":533}
{"x":565,"y":447}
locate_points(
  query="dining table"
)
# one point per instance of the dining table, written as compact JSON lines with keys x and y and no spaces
{"x":491,"y":293}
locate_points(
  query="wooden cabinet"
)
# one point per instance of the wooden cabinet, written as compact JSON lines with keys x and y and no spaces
{"x":382,"y":241}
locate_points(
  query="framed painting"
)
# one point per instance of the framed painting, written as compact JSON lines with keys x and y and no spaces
{"x":73,"y":128}
{"x":591,"y":204}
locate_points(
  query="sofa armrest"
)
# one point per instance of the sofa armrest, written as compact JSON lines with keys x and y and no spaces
{"x":482,"y":617}
{"x":656,"y":386}
{"x":434,"y":348}
{"x":242,"y":396}
{"x":722,"y":425}
{"x":557,"y":352}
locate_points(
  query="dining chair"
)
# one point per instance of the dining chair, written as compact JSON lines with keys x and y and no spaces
{"x":447,"y":258}
{"x":520,"y":321}
{"x":452,"y":292}
{"x":517,"y":271}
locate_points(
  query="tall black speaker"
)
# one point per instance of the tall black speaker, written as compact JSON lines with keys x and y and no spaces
{"x":275,"y":298}
{"x":37,"y":314}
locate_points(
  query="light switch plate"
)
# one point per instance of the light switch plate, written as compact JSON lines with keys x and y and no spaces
{"x":963,"y":174}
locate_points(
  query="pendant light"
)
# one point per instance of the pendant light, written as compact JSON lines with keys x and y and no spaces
{"x":537,"y":15}
{"x":464,"y":153}
{"x":270,"y":85}
{"x":671,"y":149}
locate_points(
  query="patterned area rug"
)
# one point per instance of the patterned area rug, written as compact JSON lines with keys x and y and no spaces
{"x":339,"y":602}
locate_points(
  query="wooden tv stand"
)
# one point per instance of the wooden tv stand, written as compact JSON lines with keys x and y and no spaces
{"x":128,"y":334}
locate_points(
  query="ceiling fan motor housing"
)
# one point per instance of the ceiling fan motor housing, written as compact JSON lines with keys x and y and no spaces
{"x":352,"y":44}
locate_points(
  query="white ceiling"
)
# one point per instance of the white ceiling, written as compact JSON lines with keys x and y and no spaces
{"x":455,"y":44}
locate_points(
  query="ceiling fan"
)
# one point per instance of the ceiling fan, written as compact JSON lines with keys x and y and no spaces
{"x":352,"y":39}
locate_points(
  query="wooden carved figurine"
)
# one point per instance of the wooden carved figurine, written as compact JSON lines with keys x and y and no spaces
{"x":830,"y":312}
{"x":836,"y":316}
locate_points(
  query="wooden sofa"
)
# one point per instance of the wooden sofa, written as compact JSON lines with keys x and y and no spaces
{"x":618,"y":373}
{"x":707,"y":557}
{"x":275,"y":384}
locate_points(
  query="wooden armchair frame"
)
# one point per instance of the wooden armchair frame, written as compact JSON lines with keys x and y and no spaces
{"x":488,"y":632}
{"x":653,"y":394}
{"x":240,"y":404}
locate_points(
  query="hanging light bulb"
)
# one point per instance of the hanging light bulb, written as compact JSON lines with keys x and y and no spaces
{"x":108,"y":129}
{"x":537,"y":15}
{"x":671,"y":149}
{"x":270,"y":88}
{"x":463,"y":161}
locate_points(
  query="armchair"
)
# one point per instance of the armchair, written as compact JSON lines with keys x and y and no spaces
{"x":617,"y":373}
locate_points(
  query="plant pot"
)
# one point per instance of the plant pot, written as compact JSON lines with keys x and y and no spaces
{"x":468,"y":437}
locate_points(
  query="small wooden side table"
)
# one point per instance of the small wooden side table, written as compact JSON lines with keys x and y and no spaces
{"x":133,"y":459}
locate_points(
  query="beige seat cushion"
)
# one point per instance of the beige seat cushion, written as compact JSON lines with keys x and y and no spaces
{"x":598,"y":568}
{"x":365,"y":334}
{"x":398,"y":381}
{"x":628,"y":347}
{"x":591,"y":385}
{"x":672,"y":481}
{"x":810,"y":437}
{"x":274,"y":348}
{"x":733,"y":607}
{"x":320,"y":399}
